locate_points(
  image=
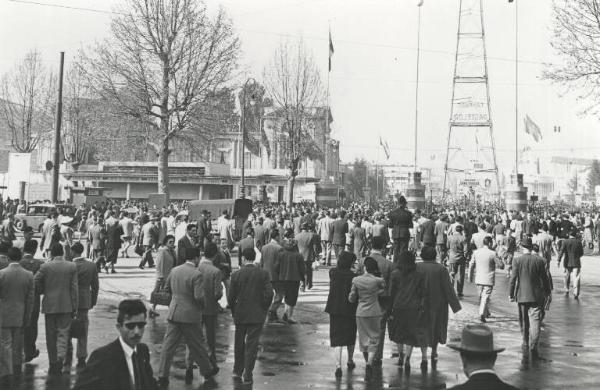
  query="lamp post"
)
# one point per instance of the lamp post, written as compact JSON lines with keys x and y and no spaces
{"x":248,"y":82}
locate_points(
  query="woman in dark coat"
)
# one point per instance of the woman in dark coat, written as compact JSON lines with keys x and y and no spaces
{"x":408,"y":293}
{"x":440,"y":294}
{"x":342,"y":313}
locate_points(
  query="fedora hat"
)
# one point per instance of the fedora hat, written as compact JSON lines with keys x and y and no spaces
{"x":527,"y":243}
{"x":476,"y":338}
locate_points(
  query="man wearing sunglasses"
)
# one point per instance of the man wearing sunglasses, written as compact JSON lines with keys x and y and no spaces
{"x":123,"y":364}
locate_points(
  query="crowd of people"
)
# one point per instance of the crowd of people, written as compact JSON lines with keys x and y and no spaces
{"x":389,"y":270}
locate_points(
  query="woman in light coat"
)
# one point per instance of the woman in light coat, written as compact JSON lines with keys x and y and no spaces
{"x":366,"y":290}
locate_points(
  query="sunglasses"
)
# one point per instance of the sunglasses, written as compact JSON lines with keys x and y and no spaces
{"x":132,"y":325}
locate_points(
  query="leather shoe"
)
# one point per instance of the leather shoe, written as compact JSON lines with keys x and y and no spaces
{"x":189,"y":375}
{"x":30,"y":358}
{"x":163,"y":382}
{"x":214,"y":372}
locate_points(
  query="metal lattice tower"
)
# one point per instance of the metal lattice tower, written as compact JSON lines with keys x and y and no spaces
{"x":471,"y":151}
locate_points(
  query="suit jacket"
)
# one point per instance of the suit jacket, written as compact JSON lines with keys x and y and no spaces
{"x":47,"y":232}
{"x":213,"y":288}
{"x":401,"y":221}
{"x":246,"y":243}
{"x":148,"y":235}
{"x":57,"y":281}
{"x":97,"y":236}
{"x":16,"y":293}
{"x":87,"y":282}
{"x":366,"y":290}
{"x":307,"y":242}
{"x":484,"y":264}
{"x":340,"y":284}
{"x":107,"y":369}
{"x":182,"y":245}
{"x":260,"y":236}
{"x":324,"y":228}
{"x":339,"y":228}
{"x":427,"y":233}
{"x":291,"y":264}
{"x":487,"y":381}
{"x":250,"y":295}
{"x":165,"y":261}
{"x":571,"y":250}
{"x":187,"y":302}
{"x":269,"y":259}
{"x":457,"y":248}
{"x":113,"y":237}
{"x":529,"y":282}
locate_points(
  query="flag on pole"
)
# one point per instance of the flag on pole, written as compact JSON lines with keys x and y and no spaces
{"x":386,"y":148}
{"x":331,"y":51}
{"x":532,"y":129}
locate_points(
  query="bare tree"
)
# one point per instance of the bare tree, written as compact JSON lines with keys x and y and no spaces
{"x":576,"y":37}
{"x":27,"y":102}
{"x":162,"y":59}
{"x":292,"y":80}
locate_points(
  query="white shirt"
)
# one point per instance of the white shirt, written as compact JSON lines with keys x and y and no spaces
{"x":128,"y":352}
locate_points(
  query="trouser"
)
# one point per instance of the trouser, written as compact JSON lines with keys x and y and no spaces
{"x":337,"y":249}
{"x":441,"y":252}
{"x":400,"y":245}
{"x":194,"y":339}
{"x":326,"y":251}
{"x":82,"y":351}
{"x":576,"y":279}
{"x":57,"y":336}
{"x":485,"y":292}
{"x":11,"y":346}
{"x":147,"y":256}
{"x":30,"y":332}
{"x":457,"y":274}
{"x":308,"y":274}
{"x":530,"y":315}
{"x":209,"y":322}
{"x":246,"y":348}
{"x":384,"y":320}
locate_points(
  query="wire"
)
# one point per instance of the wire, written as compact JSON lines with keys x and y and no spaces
{"x":317,"y":38}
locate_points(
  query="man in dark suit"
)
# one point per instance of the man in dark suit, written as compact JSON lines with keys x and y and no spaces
{"x":185,"y":318}
{"x":427,"y":232}
{"x":187,"y":241}
{"x":87,"y":284}
{"x":478,"y":354}
{"x":124,"y":364}
{"x":114,"y":232}
{"x":57,"y":282}
{"x":30,"y":331}
{"x":401,"y":220}
{"x":249,"y":297}
{"x":16,"y":294}
{"x":530,"y":287}
{"x":260,"y":234}
{"x":339,"y":228}
{"x":269,"y":261}
{"x":308,"y":244}
{"x":571,"y":251}
{"x":245,"y":243}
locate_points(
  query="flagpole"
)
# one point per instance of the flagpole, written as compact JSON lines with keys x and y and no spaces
{"x":417,"y":82}
{"x":328,"y":130}
{"x":377,"y":168}
{"x":516,"y":87}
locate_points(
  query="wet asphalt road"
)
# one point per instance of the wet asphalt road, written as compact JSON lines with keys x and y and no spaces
{"x":299,"y":357}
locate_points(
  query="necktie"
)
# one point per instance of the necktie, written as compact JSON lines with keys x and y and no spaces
{"x":136,"y":371}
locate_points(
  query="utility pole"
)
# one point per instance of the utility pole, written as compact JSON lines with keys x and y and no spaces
{"x":56,"y":160}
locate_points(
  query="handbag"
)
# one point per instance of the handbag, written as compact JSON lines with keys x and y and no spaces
{"x":77,"y":328}
{"x":139,"y":249}
{"x":160,"y":296}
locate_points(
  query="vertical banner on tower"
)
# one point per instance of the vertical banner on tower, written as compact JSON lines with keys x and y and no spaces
{"x":19,"y":165}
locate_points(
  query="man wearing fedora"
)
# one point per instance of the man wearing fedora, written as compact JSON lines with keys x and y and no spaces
{"x":529,"y":286}
{"x":478,"y":354}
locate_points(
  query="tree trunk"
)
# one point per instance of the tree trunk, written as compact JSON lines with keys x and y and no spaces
{"x":291,"y":183}
{"x":163,"y":169}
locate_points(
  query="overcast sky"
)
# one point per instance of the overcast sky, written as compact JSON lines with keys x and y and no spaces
{"x":372,"y":83}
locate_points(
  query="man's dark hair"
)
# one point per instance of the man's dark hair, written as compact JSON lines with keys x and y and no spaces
{"x":191,"y":226}
{"x":487,"y":241}
{"x":371,"y":265}
{"x":191,"y":253}
{"x":5,"y":246}
{"x":346,"y":260}
{"x":14,"y":254}
{"x":77,"y":248}
{"x":488,"y":359}
{"x":130,"y":308}
{"x":30,"y":247}
{"x":428,"y":253}
{"x":378,"y":242}
{"x":275,"y":233}
{"x":167,"y":238}
{"x":27,"y":229}
{"x":210,"y":250}
{"x":459,"y":228}
{"x":57,"y":250}
{"x":249,"y":254}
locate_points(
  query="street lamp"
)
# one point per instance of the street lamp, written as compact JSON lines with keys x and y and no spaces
{"x":248,"y":82}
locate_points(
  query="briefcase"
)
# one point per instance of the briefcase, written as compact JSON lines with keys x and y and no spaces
{"x":139,"y":249}
{"x":160,"y":297}
{"x":77,"y":328}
